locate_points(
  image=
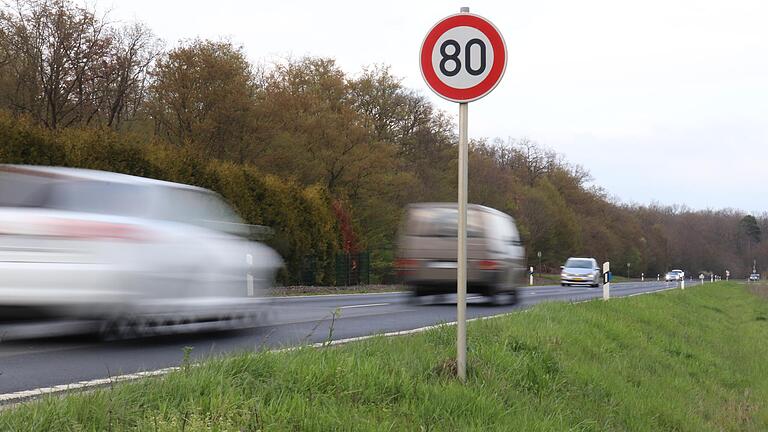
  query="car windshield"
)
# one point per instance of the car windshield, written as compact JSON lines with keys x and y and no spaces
{"x":578,"y":263}
{"x":196,"y":207}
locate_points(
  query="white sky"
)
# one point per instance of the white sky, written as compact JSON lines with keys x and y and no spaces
{"x":662,"y":100}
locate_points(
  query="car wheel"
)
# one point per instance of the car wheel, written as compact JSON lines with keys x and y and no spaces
{"x":119,"y":329}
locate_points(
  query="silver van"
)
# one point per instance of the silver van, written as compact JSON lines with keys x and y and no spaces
{"x":426,"y":254}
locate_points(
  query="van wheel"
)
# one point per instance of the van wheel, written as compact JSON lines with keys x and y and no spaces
{"x":414,"y":297}
{"x":500,"y":298}
{"x":512,"y":297}
{"x":494,"y":299}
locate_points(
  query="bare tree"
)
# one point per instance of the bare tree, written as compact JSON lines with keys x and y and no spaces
{"x":134,"y":51}
{"x":67,"y":66}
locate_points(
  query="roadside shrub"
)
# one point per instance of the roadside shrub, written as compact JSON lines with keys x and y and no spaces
{"x":23,"y":143}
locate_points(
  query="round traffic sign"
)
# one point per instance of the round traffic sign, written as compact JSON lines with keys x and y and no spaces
{"x":463,"y":57}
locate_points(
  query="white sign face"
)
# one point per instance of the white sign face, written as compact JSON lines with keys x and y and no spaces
{"x":464,"y":56}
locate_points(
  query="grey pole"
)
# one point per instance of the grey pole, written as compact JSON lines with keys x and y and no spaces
{"x":461,"y":303}
{"x":461,"y":271}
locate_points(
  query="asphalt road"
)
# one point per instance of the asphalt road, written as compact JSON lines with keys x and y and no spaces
{"x":31,"y":364}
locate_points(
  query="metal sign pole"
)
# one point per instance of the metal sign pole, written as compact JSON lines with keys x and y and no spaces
{"x":457,"y":80}
{"x":461,"y":288}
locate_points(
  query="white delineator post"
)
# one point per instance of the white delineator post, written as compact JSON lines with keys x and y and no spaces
{"x":530,"y":273}
{"x":642,"y":277}
{"x":658,"y":277}
{"x":461,"y":288}
{"x":606,"y":280}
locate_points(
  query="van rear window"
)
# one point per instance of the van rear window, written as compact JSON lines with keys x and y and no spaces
{"x":442,"y":222}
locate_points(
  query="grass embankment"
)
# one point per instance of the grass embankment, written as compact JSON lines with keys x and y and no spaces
{"x":690,"y":360}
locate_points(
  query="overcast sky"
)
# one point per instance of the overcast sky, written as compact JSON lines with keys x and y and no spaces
{"x":662,"y":100}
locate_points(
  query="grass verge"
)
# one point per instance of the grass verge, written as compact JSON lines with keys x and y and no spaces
{"x":690,"y":360}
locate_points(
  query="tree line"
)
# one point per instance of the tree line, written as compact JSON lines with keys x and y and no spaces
{"x":364,"y":143}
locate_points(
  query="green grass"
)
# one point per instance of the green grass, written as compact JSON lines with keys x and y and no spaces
{"x":692,"y":360}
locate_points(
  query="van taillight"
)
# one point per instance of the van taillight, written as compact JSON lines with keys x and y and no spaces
{"x":488,"y":265}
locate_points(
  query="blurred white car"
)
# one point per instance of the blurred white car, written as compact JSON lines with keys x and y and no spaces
{"x":135,"y":254}
{"x":580,"y":271}
{"x":673,"y":276}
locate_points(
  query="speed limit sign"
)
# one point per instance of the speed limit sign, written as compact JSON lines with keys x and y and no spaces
{"x":463,"y":57}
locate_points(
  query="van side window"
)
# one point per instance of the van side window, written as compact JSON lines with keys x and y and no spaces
{"x":514,"y":236}
{"x":442,"y":222}
{"x":501,"y":232}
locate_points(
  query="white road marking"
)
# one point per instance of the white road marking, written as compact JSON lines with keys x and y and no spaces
{"x":20,"y":396}
{"x":363,"y":305}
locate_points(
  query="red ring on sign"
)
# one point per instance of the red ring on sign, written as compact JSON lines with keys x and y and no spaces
{"x":497,"y":69}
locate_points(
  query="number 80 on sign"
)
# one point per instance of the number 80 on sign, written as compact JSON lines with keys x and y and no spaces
{"x":463,"y":57}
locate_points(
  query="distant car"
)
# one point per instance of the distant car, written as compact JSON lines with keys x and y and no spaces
{"x":427,"y":249}
{"x":754,"y":277}
{"x":136,"y":254}
{"x":674,"y":276}
{"x":580,"y":271}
